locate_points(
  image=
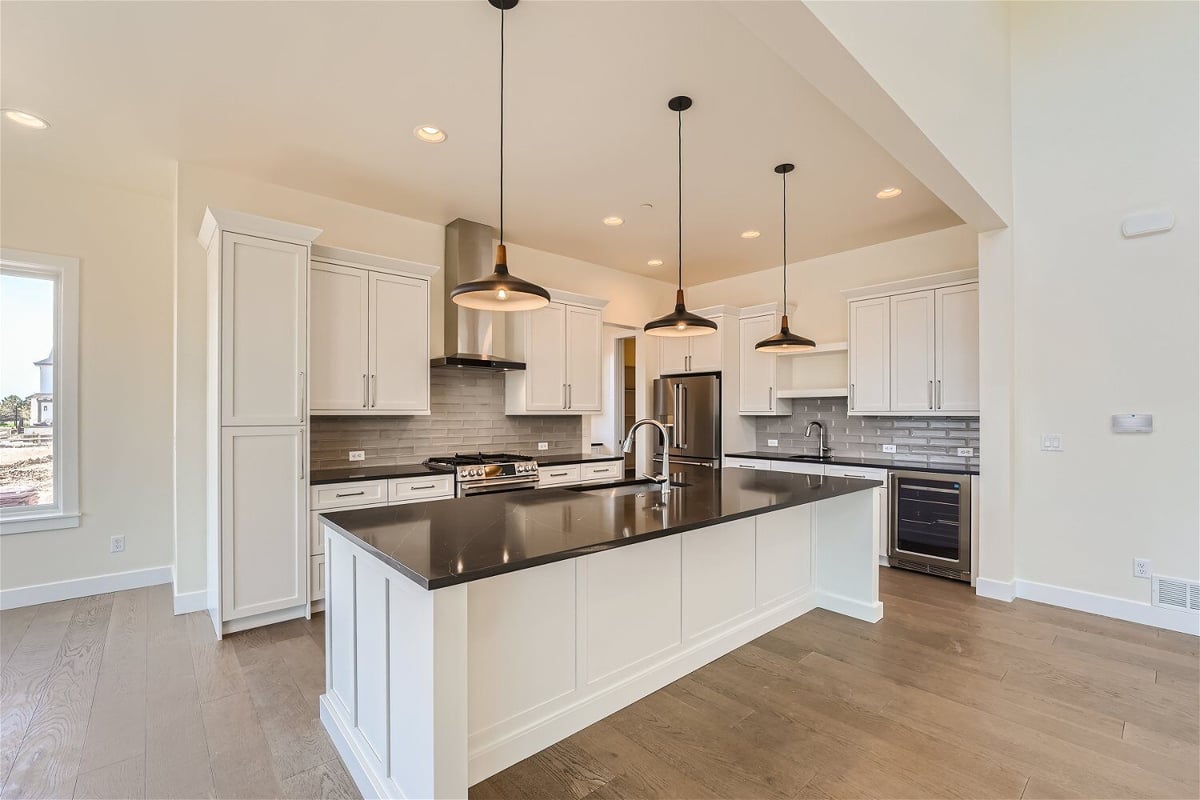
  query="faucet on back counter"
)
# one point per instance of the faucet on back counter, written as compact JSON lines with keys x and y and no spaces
{"x":823,"y":450}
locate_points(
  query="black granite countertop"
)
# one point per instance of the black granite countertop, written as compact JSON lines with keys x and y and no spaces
{"x":344,"y":474}
{"x":860,"y":461}
{"x":447,"y":542}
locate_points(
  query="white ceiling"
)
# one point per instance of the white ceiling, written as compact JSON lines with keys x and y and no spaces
{"x":324,"y":96}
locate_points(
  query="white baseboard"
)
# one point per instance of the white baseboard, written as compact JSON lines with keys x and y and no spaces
{"x":1108,"y":606}
{"x":867,"y":612}
{"x":188,"y":602}
{"x":83,"y":587}
{"x":995,"y":590}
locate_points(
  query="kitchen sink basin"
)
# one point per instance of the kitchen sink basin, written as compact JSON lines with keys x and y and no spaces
{"x":624,"y":489}
{"x":810,"y":458}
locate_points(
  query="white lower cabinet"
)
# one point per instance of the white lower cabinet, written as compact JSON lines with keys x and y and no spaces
{"x":602,"y":472}
{"x":747,"y":463}
{"x":316,"y":577}
{"x":558,"y":476}
{"x":801,"y":467}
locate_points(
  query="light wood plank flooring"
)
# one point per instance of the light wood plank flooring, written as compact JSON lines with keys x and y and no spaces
{"x":950,"y":696}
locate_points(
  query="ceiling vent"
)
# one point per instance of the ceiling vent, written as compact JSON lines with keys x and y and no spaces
{"x":1176,"y":593}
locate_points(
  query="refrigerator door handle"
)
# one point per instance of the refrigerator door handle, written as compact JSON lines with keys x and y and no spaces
{"x":683,"y":405}
{"x":680,"y":429}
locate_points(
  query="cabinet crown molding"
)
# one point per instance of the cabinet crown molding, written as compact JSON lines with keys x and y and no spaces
{"x":764,"y":308}
{"x":224,"y":219}
{"x":574,"y":299}
{"x":354,"y":258}
{"x":939,"y":281}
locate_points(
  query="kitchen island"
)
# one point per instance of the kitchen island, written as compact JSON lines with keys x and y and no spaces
{"x":465,"y":635}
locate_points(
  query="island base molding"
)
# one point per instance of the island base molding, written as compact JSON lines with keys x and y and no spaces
{"x":429,"y":692}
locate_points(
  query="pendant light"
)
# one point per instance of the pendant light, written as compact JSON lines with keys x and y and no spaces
{"x":785,"y":341}
{"x":680,"y":322}
{"x":501,"y":291}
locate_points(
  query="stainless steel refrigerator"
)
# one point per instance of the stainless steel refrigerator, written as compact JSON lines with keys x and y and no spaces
{"x":691,"y":403}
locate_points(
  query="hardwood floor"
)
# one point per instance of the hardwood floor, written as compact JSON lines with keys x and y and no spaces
{"x":949,"y":696}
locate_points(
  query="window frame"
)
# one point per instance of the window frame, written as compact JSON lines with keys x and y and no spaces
{"x":64,"y":271}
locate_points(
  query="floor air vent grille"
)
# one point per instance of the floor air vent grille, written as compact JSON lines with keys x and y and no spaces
{"x":1176,"y":593}
{"x":932,"y":570}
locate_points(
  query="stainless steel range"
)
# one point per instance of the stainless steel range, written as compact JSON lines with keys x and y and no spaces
{"x":485,"y":473}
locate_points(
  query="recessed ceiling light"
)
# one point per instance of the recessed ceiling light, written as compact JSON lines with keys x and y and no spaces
{"x":750,"y":234}
{"x":25,"y":119}
{"x":654,"y":262}
{"x":887,"y":193}
{"x":613,"y":222}
{"x":430,"y":133}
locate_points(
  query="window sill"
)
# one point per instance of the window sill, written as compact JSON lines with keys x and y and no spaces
{"x":38,"y":522}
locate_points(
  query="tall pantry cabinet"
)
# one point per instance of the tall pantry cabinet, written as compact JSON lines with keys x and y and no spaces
{"x":257,"y":466}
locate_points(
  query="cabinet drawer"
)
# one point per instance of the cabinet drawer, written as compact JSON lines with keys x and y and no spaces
{"x":557,"y":476}
{"x":748,"y":463}
{"x":405,"y":490}
{"x":601,"y":471}
{"x":856,"y":472}
{"x":801,"y":467}
{"x":341,"y":495}
{"x":316,"y":578}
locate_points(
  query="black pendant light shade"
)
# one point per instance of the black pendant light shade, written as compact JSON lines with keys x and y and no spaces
{"x":680,"y":322}
{"x":785,"y":341}
{"x":500,"y":291}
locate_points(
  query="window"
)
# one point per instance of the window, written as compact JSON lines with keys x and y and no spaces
{"x":39,"y":431}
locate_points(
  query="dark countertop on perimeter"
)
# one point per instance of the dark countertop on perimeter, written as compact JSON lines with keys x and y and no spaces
{"x":446,"y":542}
{"x":859,"y":461}
{"x":343,"y":474}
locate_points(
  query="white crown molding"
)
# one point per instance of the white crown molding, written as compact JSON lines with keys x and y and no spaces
{"x":224,"y":219}
{"x":939,"y":281}
{"x":353,"y":258}
{"x":574,"y":299}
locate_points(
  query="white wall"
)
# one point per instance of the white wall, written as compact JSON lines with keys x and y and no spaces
{"x":632,"y":300}
{"x":815,"y":286}
{"x":123,"y":242}
{"x":1105,"y":121}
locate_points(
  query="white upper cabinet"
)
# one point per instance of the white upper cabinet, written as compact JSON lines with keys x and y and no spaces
{"x":760,"y":375}
{"x":870,"y":355}
{"x":680,"y":354}
{"x":338,"y":352}
{"x":263,"y":328}
{"x":370,"y":334}
{"x":583,"y":359}
{"x":399,"y":344}
{"x":560,"y":344}
{"x":957,"y":387}
{"x":912,"y":351}
{"x":914,"y":346}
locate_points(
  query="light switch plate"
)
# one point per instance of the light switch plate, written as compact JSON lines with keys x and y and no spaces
{"x":966,"y":451}
{"x":358,"y":455}
{"x":888,"y":448}
{"x":543,"y":445}
{"x":772,"y":443}
{"x":1052,"y":442}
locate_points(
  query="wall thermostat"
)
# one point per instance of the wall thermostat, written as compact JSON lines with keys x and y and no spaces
{"x":1132,"y":423}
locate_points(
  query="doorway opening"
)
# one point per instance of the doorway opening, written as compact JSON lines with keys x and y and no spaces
{"x":626,"y":351}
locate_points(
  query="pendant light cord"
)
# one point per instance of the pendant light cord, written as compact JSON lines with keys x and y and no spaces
{"x":502,"y":5}
{"x":785,"y":243}
{"x":680,"y":115}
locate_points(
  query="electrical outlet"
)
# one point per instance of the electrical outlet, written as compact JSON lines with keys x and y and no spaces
{"x":966,"y":451}
{"x":888,"y":448}
{"x":772,"y":443}
{"x":116,"y":544}
{"x":358,"y":455}
{"x":1052,"y":442}
{"x":1141,"y":568}
{"x":543,"y":445}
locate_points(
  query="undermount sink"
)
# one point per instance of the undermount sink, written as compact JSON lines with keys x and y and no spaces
{"x":624,"y":489}
{"x":810,"y":458}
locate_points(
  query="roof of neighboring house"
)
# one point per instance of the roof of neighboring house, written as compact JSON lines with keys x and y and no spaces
{"x":40,"y":396}
{"x":48,"y":361}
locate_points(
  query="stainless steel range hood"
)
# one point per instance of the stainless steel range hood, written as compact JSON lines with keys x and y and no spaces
{"x":473,"y":339}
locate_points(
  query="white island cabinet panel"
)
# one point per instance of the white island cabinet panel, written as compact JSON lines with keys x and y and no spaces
{"x":718,"y":576}
{"x":626,"y":628}
{"x":371,"y":647}
{"x":339,"y":627}
{"x":522,"y":632}
{"x":783,"y":549}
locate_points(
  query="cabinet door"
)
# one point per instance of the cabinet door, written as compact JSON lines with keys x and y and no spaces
{"x":399,"y":344}
{"x":338,"y":354}
{"x":957,"y":348}
{"x":912,"y":351}
{"x":546,"y":358}
{"x":870,"y":354}
{"x":673,"y":354}
{"x":706,"y":352}
{"x":583,"y":359}
{"x":264,"y":341}
{"x":264,"y":554}
{"x":757,"y":394}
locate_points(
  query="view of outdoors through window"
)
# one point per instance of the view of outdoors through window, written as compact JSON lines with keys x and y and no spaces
{"x":26,"y":391}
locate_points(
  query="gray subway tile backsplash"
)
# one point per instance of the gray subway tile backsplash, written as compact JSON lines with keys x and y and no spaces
{"x":467,"y":416}
{"x":933,"y":440}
